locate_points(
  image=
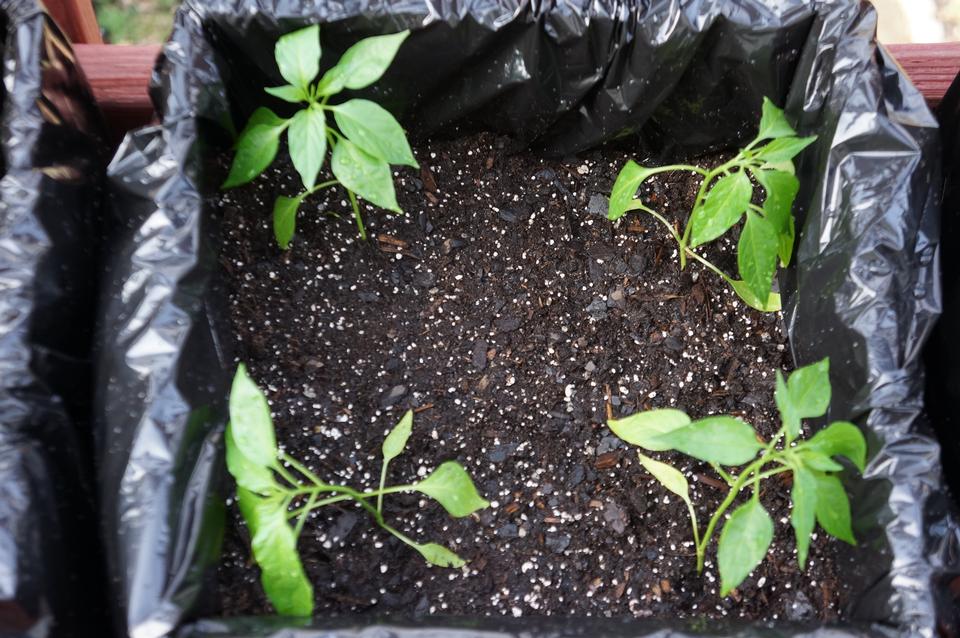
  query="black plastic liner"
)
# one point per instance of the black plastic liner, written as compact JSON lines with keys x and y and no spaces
{"x":52,"y":579}
{"x":561,"y":77}
{"x":943,"y":349}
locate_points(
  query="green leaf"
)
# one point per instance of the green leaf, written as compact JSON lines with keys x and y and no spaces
{"x":716,"y":439}
{"x":366,"y":175}
{"x":298,"y":56}
{"x":841,"y":438}
{"x":805,"y":395}
{"x":257,"y":145}
{"x":439,"y":555}
{"x":248,"y":475}
{"x":781,"y":396}
{"x":285,"y":219}
{"x":643,"y":428}
{"x":744,"y":541}
{"x":670,"y":477}
{"x":451,"y":486}
{"x":722,"y":207}
{"x":816,"y":460}
{"x":786,"y":166}
{"x":396,"y":441}
{"x":307,"y":140}
{"x":772,"y":304}
{"x":833,"y":507}
{"x":803,"y":514}
{"x":628,"y":181}
{"x":249,"y":503}
{"x":363,"y":63}
{"x":281,"y":573}
{"x":372,"y":128}
{"x":288,"y":93}
{"x":809,"y":389}
{"x":250,"y":421}
{"x":773,"y":124}
{"x":757,"y":254}
{"x":781,"y":189}
{"x":784,"y":148}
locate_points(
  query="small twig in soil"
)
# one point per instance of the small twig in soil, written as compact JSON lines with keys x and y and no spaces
{"x":712,"y":482}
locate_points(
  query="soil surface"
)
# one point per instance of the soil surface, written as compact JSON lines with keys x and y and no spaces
{"x":513,"y":317}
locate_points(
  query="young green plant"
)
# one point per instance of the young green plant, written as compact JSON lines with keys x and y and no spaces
{"x":365,"y":142}
{"x":725,"y":197}
{"x":817,"y":493}
{"x":276,"y":493}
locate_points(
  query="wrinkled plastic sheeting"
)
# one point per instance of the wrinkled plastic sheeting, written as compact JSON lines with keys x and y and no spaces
{"x":560,"y":77}
{"x":51,"y":576}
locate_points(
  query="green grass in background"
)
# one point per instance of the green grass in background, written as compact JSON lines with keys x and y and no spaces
{"x":135,"y":21}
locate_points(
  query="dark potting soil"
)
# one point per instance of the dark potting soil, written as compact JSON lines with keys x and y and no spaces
{"x":514,"y":318}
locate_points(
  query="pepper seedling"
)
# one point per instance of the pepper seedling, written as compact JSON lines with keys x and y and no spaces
{"x":366,"y":141}
{"x":725,"y":196}
{"x":276,"y":493}
{"x":817,"y":493}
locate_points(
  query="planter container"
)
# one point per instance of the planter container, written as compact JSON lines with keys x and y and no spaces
{"x":51,"y":575}
{"x":561,"y":78}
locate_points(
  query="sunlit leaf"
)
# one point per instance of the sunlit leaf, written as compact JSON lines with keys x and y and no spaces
{"x":816,"y":460}
{"x":374,"y":129}
{"x":285,"y":219}
{"x":293,"y":94}
{"x":247,"y":474}
{"x":366,"y":175}
{"x":363,"y":63}
{"x":439,"y":555}
{"x":628,"y":181}
{"x":722,"y":207}
{"x":757,"y":254}
{"x":307,"y":140}
{"x":833,"y":507}
{"x":451,"y":486}
{"x":715,"y":439}
{"x":396,"y":441}
{"x":670,"y":477}
{"x":841,"y":438}
{"x":784,"y":148}
{"x":643,"y":428}
{"x":281,"y":572}
{"x":298,"y":56}
{"x":803,"y":515}
{"x":250,"y":421}
{"x":809,"y":389}
{"x":744,"y":541}
{"x":773,"y":124}
{"x":781,"y":189}
{"x":257,"y":146}
{"x":772,"y":304}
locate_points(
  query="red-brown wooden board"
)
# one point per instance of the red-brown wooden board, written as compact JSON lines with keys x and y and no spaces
{"x":119,"y":75}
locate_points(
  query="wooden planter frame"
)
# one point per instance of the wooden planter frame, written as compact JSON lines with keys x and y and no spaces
{"x":120,"y":74}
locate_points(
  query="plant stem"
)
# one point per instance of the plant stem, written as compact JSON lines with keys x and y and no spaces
{"x":701,"y":193}
{"x":696,"y":530}
{"x":321,"y":185}
{"x":303,"y":516}
{"x":723,"y":474}
{"x":356,"y":214}
{"x":727,"y":502}
{"x":638,"y":205}
{"x":383,"y":479}
{"x":295,"y":464}
{"x":287,"y":476}
{"x":769,"y":455}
